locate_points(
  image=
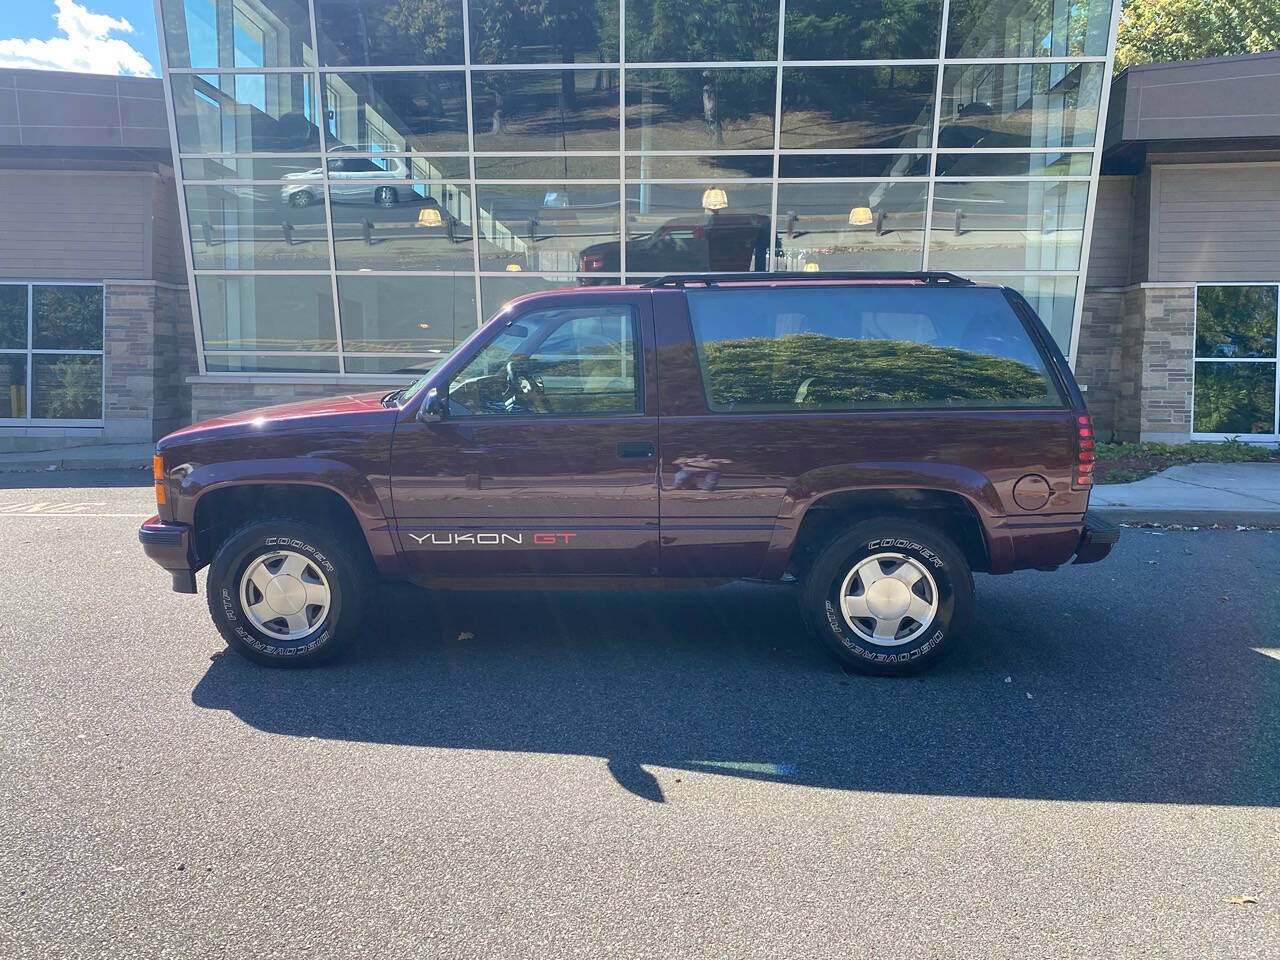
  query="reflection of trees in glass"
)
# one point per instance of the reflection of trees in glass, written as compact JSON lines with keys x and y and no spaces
{"x":850,"y":107}
{"x":13,"y":316}
{"x":670,"y":30}
{"x":711,"y":97}
{"x":1236,"y":321}
{"x":67,"y":388}
{"x":1235,"y":398}
{"x":1011,"y":28}
{"x":67,"y":318}
{"x":865,"y":30}
{"x":842,"y":372}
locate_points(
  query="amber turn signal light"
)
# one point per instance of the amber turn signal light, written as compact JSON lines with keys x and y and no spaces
{"x":157,"y":470}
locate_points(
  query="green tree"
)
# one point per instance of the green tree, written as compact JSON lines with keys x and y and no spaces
{"x":1160,"y":31}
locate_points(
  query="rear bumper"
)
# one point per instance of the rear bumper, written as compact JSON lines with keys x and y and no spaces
{"x":1097,"y":539}
{"x":169,"y":544}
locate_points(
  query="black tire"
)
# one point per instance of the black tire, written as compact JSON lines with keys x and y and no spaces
{"x":301,"y":198}
{"x":949,"y":584}
{"x":327,"y":555}
{"x":386,"y":196}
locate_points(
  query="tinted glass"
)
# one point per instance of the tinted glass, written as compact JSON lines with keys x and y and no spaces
{"x":852,"y":107}
{"x":423,"y":315}
{"x":863,"y":30}
{"x":66,"y":387}
{"x":809,"y":165}
{"x":246,"y":168}
{"x":723,"y":109}
{"x":13,"y":386}
{"x":497,"y":292}
{"x":259,"y":227}
{"x":559,"y":361}
{"x":854,"y":348}
{"x":697,"y":227}
{"x":1028,"y":28}
{"x":1020,"y":105}
{"x":401,"y":226}
{"x":729,"y":167}
{"x":535,"y":110}
{"x":1014,"y":164}
{"x":255,"y":363}
{"x":852,"y":226}
{"x":244,"y":113}
{"x":389,"y":32}
{"x":546,"y":168}
{"x":386,"y":366}
{"x":1235,"y":398}
{"x":1036,"y":225}
{"x":237,"y":33}
{"x":66,"y":318}
{"x":550,"y":31}
{"x":667,"y":30}
{"x":396,"y":112}
{"x":1052,"y":298}
{"x":1236,"y":321}
{"x":266,"y":313}
{"x":550,"y":227}
{"x":13,"y":316}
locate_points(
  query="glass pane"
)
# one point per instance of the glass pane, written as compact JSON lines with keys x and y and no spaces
{"x":66,"y":318}
{"x":260,"y":227}
{"x":551,"y":228}
{"x":853,"y":165}
{"x":253,"y":363}
{"x":1020,"y":105}
{"x":428,"y":315}
{"x":551,"y":31}
{"x":13,"y":386}
{"x":497,"y":292}
{"x":558,"y":361}
{"x":389,"y":32}
{"x":546,"y":168}
{"x":695,"y":227}
{"x":852,"y":107}
{"x":396,"y":112}
{"x":669,"y":30}
{"x":266,"y":313}
{"x":401,"y":226}
{"x":865,"y":30}
{"x":698,"y":168}
{"x":1035,"y":225}
{"x":13,"y":316}
{"x":407,"y":366}
{"x":725,"y":109}
{"x":66,"y":387}
{"x":1235,"y":398}
{"x":868,"y":347}
{"x":1052,"y":298}
{"x":257,"y":168}
{"x":536,"y":110}
{"x":1028,"y":28}
{"x":245,"y":113}
{"x":1015,"y":164}
{"x":1236,"y":321}
{"x":852,"y":226}
{"x":237,"y":33}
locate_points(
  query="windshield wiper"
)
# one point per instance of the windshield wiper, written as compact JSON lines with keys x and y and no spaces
{"x":394,"y":396}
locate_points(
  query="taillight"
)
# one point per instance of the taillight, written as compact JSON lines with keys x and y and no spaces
{"x":592,"y":262}
{"x":1086,"y":453}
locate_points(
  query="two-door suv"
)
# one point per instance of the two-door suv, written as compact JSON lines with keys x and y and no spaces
{"x":875,"y":438}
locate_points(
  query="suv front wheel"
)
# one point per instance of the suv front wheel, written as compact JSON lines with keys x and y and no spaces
{"x":286,"y":593}
{"x":889,"y":596}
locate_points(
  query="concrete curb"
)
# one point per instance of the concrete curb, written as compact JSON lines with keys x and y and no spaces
{"x":71,"y":464}
{"x":1189,"y":516}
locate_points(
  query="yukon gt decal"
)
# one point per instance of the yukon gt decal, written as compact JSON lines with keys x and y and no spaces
{"x":546,"y":539}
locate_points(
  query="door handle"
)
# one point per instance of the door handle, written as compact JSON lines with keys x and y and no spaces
{"x":635,"y":450}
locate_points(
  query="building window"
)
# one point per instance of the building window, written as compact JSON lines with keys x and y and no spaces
{"x":51,"y":354}
{"x":1235,"y":360}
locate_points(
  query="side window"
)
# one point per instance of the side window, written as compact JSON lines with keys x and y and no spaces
{"x":577,"y":361}
{"x":856,"y":348}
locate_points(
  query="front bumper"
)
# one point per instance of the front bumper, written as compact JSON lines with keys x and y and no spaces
{"x":170,"y":545}
{"x":1097,"y":539}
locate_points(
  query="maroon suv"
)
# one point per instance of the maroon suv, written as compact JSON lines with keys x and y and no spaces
{"x":874,"y":438}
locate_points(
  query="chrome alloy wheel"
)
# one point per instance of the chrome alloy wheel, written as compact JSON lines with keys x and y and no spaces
{"x":284,"y":594}
{"x":889,"y":599}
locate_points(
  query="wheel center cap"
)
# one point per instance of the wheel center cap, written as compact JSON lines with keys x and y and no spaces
{"x":888,"y":598}
{"x":286,"y":594}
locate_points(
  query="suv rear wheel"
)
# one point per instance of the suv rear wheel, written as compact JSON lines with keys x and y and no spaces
{"x":889,"y":596}
{"x":285,"y":592}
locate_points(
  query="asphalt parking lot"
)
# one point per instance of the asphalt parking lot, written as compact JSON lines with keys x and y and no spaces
{"x":1095,"y":774}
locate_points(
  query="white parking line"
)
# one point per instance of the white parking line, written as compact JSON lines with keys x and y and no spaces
{"x":56,"y":508}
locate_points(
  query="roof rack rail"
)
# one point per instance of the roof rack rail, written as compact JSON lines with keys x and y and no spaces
{"x":711,"y":279}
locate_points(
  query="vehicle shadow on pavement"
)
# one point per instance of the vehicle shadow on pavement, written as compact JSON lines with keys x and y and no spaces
{"x":1054,"y":696}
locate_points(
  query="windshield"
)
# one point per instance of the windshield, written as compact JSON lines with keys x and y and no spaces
{"x":406,"y":392}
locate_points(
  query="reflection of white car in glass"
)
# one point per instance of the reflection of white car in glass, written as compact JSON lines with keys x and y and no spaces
{"x":351,"y":180}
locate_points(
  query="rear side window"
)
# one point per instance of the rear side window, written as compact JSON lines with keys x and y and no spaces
{"x":865,"y":348}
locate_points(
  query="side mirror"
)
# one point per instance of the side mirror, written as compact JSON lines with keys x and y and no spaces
{"x":434,"y":407}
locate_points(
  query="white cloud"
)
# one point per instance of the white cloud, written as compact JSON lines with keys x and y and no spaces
{"x":87,"y":46}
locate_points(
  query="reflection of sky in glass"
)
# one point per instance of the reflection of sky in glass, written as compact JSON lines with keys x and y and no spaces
{"x":202,"y":36}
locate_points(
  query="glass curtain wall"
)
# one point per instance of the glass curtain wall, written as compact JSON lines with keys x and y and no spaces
{"x":367,"y":180}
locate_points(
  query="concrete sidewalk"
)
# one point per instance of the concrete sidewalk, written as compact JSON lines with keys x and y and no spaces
{"x":102,"y":456}
{"x":1197,"y":494}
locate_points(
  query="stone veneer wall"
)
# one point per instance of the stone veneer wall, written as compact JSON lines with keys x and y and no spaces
{"x":216,"y":396}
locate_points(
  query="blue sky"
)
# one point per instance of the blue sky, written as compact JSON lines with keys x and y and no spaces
{"x":82,"y":35}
